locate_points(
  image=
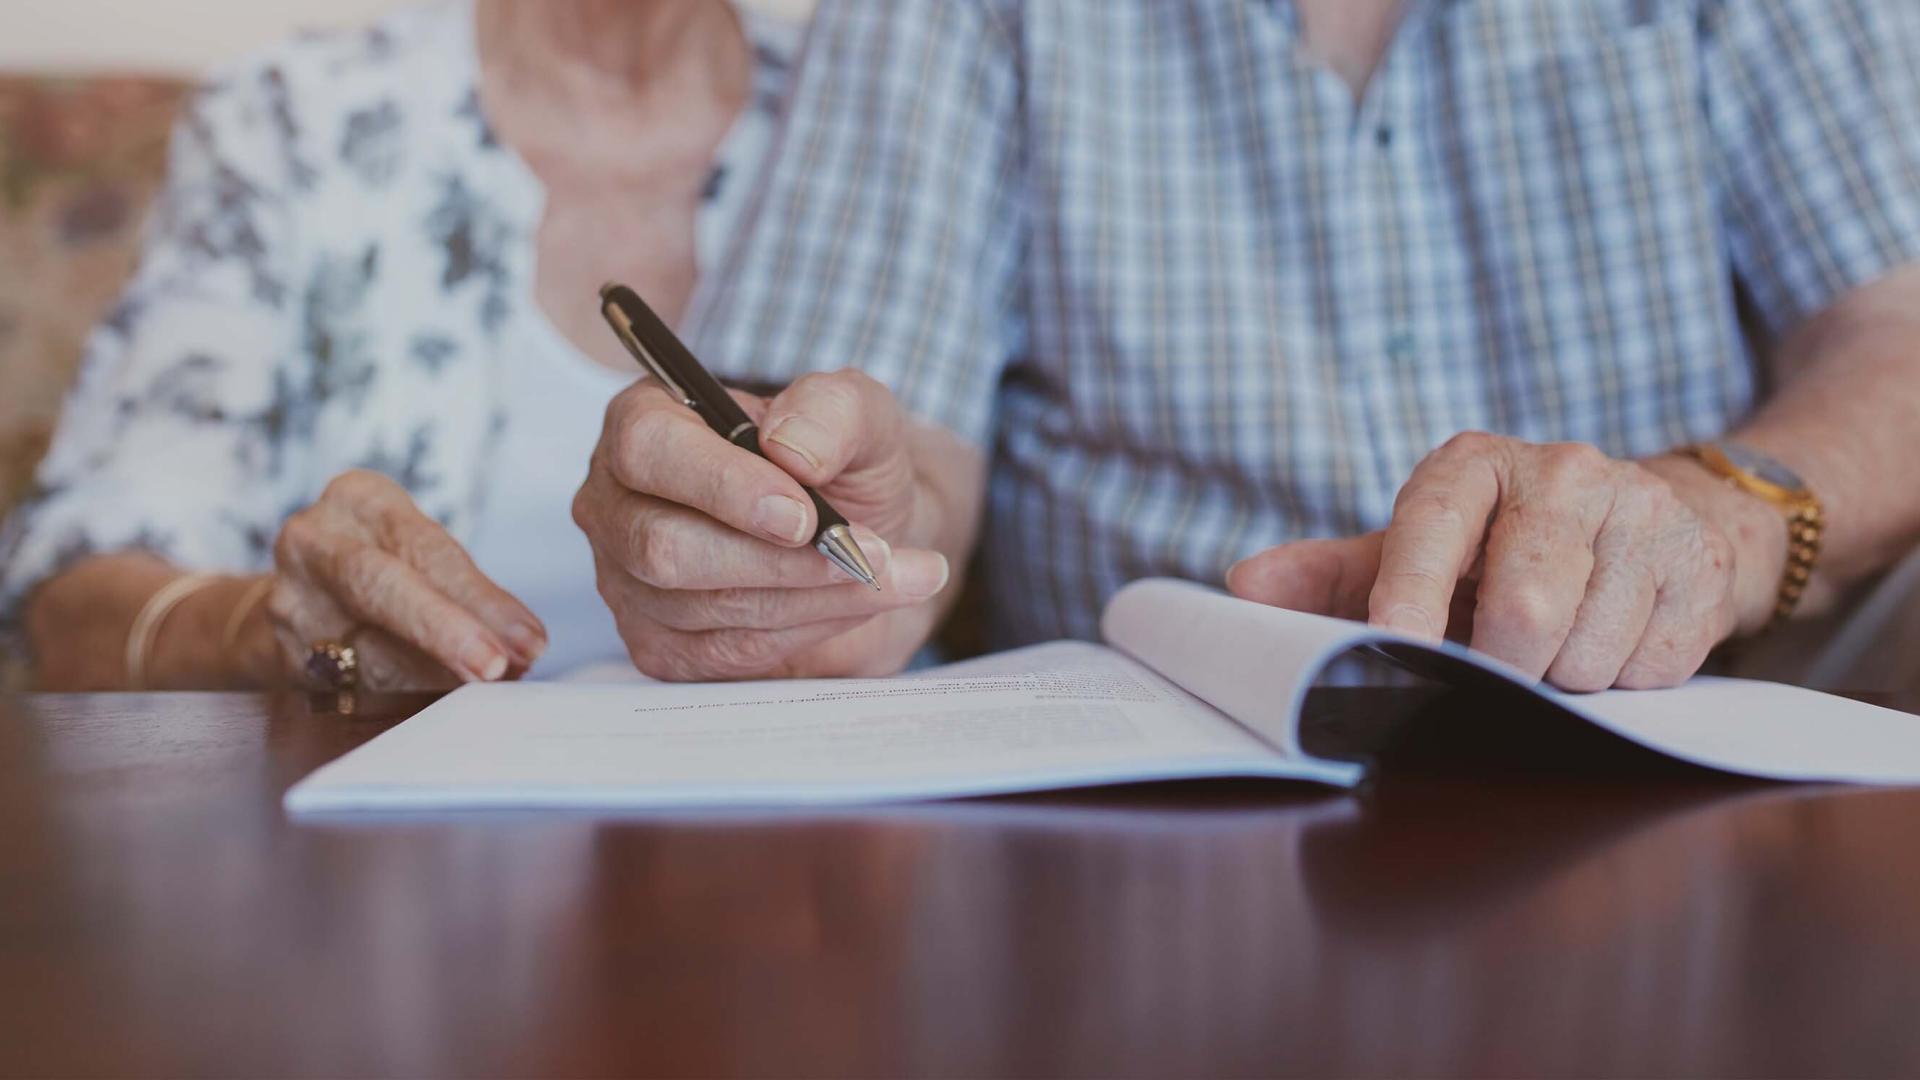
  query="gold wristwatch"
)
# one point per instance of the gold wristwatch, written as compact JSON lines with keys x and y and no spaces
{"x":1759,"y":475}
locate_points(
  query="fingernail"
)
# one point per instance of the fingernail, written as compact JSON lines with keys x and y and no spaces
{"x":802,"y":436}
{"x":1408,"y":619}
{"x":879,"y":553}
{"x":1233,"y":572}
{"x":485,"y":662}
{"x":920,"y":574}
{"x":781,"y":518}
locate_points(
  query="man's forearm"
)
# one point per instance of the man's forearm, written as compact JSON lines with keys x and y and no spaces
{"x":1846,"y":417}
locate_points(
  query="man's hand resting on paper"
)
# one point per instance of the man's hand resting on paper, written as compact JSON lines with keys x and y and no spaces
{"x":704,"y":551}
{"x":1571,"y":566}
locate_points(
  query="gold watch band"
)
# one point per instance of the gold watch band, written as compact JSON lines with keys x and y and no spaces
{"x":1805,"y":527}
{"x":1806,"y":522}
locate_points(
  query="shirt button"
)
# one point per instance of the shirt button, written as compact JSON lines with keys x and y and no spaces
{"x":1383,"y":136}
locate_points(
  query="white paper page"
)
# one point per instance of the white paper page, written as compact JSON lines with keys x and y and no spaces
{"x":1763,"y":729}
{"x":1051,"y":716}
{"x":1254,"y":663}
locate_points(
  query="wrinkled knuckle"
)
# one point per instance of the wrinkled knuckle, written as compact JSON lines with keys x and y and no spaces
{"x":641,"y":439}
{"x":1422,"y":578}
{"x":657,"y":552}
{"x":657,"y":558}
{"x":736,"y":654}
{"x":364,"y":572}
{"x":1435,"y":511}
{"x":423,"y":543}
{"x":734,"y":607}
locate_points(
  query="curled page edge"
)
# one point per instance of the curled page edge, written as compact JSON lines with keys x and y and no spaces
{"x":1255,"y":664}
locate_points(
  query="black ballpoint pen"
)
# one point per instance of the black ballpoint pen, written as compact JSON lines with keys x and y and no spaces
{"x":673,"y":365}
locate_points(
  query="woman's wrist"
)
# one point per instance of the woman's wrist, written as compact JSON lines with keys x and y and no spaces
{"x":248,"y":642}
{"x":192,"y":647}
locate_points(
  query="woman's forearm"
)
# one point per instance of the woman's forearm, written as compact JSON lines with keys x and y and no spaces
{"x":79,"y":621}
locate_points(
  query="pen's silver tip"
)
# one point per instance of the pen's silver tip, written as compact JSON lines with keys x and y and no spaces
{"x":838,"y":545}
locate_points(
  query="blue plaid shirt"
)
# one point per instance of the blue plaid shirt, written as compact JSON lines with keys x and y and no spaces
{"x":1200,"y":300}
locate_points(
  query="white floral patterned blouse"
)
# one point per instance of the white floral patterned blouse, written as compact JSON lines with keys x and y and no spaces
{"x":340,"y":260}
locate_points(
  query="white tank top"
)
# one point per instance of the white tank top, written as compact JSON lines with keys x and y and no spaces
{"x":554,"y":399}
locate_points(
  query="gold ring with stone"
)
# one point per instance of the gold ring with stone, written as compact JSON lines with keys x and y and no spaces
{"x":335,"y":664}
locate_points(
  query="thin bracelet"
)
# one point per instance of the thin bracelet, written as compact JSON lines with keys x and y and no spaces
{"x":147,"y":623}
{"x":248,"y":601}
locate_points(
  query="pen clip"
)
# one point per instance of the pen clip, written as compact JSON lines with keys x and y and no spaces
{"x":623,"y":329}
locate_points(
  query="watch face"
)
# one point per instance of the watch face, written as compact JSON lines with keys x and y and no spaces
{"x":1763,"y":467}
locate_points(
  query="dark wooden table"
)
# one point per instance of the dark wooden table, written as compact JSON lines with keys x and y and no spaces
{"x":160,"y":916}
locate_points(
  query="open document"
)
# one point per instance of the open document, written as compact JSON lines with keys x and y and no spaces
{"x":1191,"y":683}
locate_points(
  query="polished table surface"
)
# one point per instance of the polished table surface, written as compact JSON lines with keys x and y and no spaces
{"x":159,"y":915}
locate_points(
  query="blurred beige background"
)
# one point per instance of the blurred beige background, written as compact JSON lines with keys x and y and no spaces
{"x":177,"y":36}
